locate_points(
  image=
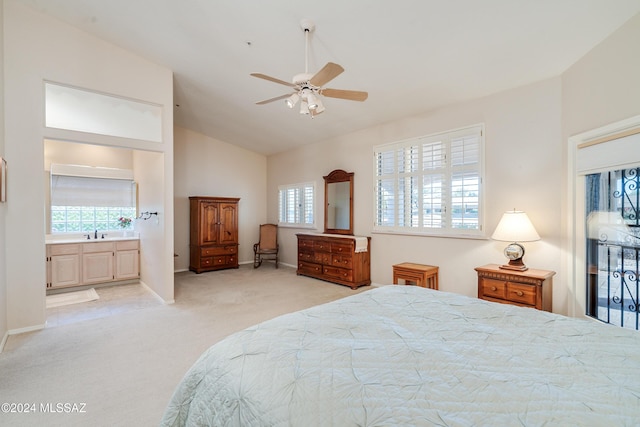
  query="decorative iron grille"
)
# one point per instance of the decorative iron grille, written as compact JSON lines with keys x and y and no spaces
{"x":613,"y":247}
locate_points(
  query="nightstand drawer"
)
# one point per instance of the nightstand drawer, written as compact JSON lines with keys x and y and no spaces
{"x":523,"y":294}
{"x":494,"y":288}
{"x":529,"y":288}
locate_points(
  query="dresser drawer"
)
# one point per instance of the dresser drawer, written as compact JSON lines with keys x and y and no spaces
{"x":305,"y":244}
{"x":309,"y":268}
{"x":338,"y":273}
{"x":322,"y":258}
{"x":218,"y":250}
{"x":342,"y":248}
{"x":306,"y":256}
{"x":521,"y":293}
{"x":344,"y":261}
{"x":494,"y":288}
{"x":321,"y":245}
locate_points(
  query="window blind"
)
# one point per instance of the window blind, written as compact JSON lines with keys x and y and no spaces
{"x":430,"y":184}
{"x":77,"y":185}
{"x":296,"y":204}
{"x":85,"y":191}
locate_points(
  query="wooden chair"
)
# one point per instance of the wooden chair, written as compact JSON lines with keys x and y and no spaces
{"x":267,"y":247}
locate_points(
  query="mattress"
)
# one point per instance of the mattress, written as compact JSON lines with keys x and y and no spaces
{"x":405,"y":355}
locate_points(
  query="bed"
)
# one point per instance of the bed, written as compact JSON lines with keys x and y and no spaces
{"x":404,"y":355}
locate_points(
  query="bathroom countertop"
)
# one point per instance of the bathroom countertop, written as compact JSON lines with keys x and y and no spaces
{"x":63,"y":239}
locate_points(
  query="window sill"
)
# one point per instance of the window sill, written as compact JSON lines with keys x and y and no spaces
{"x":436,"y":235}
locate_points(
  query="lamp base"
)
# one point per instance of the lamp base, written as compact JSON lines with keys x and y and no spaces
{"x":515,"y":265}
{"x":509,"y":267}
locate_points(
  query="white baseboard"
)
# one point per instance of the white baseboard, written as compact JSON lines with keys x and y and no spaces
{"x":4,"y":341}
{"x":27,"y":329}
{"x":162,"y":300}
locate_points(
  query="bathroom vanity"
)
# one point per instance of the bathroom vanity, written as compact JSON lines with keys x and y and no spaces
{"x":87,"y":262}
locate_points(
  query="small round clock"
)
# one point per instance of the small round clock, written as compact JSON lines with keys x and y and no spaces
{"x":514,"y":251}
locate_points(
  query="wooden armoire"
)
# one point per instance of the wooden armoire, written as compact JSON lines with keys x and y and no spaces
{"x":213,"y":241}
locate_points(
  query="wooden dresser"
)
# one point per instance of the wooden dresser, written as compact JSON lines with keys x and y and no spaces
{"x":530,"y":288}
{"x":213,"y":240}
{"x":335,"y":258}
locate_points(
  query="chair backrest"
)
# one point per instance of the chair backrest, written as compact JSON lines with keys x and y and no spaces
{"x":268,"y":236}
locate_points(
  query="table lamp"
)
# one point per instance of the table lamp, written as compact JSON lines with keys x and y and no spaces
{"x":515,"y":226}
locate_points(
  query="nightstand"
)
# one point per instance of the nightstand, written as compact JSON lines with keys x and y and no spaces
{"x":530,"y":288}
{"x":422,"y":275}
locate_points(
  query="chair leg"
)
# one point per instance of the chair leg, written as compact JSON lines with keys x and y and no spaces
{"x":257,"y":261}
{"x":276,"y":261}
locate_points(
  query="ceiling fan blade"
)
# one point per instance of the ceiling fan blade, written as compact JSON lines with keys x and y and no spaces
{"x":351,"y":95}
{"x":266,"y":101}
{"x":328,"y":73}
{"x":272,"y":79}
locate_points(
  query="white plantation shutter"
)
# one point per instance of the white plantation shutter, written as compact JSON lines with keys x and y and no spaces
{"x":296,"y":204}
{"x":431,"y":184}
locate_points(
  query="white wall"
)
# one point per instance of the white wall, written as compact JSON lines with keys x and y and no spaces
{"x":39,"y":48}
{"x":3,"y":237}
{"x":601,"y":88}
{"x":149,"y":173}
{"x":523,"y":171}
{"x":205,"y":166}
{"x":604,"y":86}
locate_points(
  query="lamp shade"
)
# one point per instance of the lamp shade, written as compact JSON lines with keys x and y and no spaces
{"x":515,"y":226}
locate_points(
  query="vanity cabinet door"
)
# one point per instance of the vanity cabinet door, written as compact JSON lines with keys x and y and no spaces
{"x":64,"y":265}
{"x":97,"y":267}
{"x":65,"y":270}
{"x":127,"y":264}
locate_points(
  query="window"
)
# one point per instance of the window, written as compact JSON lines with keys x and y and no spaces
{"x":296,"y":205}
{"x":81,"y":204}
{"x":431,"y":185}
{"x":613,"y":246}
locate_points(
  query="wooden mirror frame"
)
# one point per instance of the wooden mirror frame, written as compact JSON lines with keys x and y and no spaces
{"x":337,"y":176}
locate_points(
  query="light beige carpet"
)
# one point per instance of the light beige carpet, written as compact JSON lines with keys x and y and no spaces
{"x":67,"y":298}
{"x":124,"y":368}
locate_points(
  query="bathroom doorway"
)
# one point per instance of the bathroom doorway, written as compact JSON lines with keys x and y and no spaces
{"x":113,"y":296}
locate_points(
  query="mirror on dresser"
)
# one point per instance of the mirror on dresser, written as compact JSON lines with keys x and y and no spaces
{"x":338,"y":202}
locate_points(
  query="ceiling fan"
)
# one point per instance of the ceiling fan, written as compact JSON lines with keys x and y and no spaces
{"x":308,"y":88}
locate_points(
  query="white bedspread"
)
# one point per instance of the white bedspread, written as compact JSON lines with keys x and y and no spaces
{"x":410,"y":356}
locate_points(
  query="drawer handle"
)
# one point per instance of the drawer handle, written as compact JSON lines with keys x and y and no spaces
{"x":519,"y":293}
{"x":493,"y":288}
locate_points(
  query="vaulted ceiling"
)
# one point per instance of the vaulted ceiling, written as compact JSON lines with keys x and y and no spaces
{"x":411,"y":56}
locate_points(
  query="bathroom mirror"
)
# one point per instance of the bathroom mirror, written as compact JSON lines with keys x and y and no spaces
{"x":338,"y":202}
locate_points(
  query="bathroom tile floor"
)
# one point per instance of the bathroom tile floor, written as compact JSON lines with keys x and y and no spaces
{"x":113,"y":300}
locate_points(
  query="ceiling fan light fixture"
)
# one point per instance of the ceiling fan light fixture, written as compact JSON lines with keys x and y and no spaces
{"x":320,"y":107}
{"x":292,"y":100}
{"x":304,"y":107}
{"x":312,"y":101}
